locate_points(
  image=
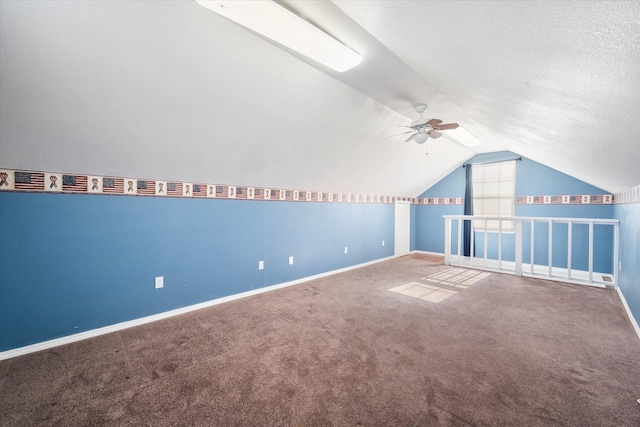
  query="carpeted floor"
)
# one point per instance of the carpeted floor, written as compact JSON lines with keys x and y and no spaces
{"x":346,"y":351}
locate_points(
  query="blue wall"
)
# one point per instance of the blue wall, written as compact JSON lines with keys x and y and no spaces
{"x":532,"y":179}
{"x":413,"y":225}
{"x":629,"y":278}
{"x":72,"y":263}
{"x":429,"y":223}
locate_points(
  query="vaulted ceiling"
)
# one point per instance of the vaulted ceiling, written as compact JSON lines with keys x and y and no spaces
{"x":170,"y":90}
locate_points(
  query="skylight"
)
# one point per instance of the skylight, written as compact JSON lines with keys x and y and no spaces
{"x":464,"y":137}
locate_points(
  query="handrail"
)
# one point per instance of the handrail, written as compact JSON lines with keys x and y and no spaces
{"x":518,"y":267}
{"x":536,"y":218}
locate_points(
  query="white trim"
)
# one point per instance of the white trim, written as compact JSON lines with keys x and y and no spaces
{"x":426,"y":253}
{"x":538,"y":219}
{"x":402,"y":228}
{"x":493,"y":230}
{"x":634,"y":323}
{"x":8,"y":354}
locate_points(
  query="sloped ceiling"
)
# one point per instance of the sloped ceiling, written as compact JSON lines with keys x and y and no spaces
{"x":170,"y":90}
{"x":555,"y":81}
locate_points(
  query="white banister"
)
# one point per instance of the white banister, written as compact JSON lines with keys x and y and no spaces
{"x":472,"y":251}
{"x":447,"y":241}
{"x":459,"y":236}
{"x":518,"y":248}
{"x":485,"y":241}
{"x":500,"y":245}
{"x":550,"y":262}
{"x":548,"y":271}
{"x":616,"y":253}
{"x":569,"y":246}
{"x":590,"y":251}
{"x":532,"y":261}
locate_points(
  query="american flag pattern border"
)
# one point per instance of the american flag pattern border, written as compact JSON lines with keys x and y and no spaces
{"x":34,"y":181}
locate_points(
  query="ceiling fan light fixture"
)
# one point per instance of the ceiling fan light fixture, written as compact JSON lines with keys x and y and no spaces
{"x":421,"y":137}
{"x":282,"y":26}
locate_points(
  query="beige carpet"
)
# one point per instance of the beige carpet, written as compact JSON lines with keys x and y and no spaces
{"x":346,"y":351}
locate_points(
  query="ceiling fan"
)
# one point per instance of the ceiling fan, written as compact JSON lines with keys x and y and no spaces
{"x":422,"y":129}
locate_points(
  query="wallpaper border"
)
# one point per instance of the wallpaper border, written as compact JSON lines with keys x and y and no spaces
{"x":56,"y":182}
{"x":631,"y":195}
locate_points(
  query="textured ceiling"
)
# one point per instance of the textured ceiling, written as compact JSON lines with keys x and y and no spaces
{"x":555,"y":81}
{"x":170,"y":90}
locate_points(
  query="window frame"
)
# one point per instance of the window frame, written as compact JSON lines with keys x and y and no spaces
{"x":497,"y":197}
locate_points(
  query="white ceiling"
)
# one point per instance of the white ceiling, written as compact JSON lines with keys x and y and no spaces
{"x":170,"y":90}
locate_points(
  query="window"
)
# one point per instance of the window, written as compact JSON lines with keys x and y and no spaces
{"x":494,"y":193}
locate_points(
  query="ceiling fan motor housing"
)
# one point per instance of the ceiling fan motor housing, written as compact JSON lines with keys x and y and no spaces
{"x":420,"y":108}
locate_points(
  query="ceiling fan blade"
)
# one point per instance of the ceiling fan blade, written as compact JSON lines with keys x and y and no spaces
{"x":434,"y":122}
{"x":403,"y":133}
{"x":435,"y":134}
{"x":447,"y":126}
{"x":411,"y":137}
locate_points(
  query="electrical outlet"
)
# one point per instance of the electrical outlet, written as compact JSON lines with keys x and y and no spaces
{"x":159,"y":283}
{"x":346,"y":250}
{"x":290,"y":260}
{"x":620,"y":266}
{"x":260,"y":265}
{"x":383,"y":243}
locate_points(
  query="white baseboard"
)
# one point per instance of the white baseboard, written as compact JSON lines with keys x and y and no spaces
{"x":8,"y":354}
{"x":427,"y":253}
{"x":634,"y":323}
